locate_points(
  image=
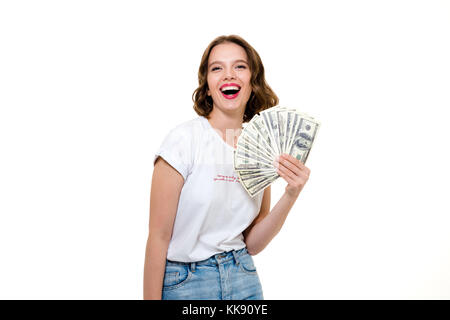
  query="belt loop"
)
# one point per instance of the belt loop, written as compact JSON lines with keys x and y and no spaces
{"x":235,"y":257}
{"x":193,"y":266}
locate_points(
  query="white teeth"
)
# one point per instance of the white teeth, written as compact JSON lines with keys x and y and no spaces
{"x":230,"y":88}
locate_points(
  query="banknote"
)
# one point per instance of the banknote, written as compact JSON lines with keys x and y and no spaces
{"x":268,"y":134}
{"x":254,"y":141}
{"x":247,"y":162}
{"x":271,"y":122}
{"x":303,"y":139}
{"x":246,"y":148}
{"x":253,"y":191}
{"x":258,"y":124}
{"x":255,"y":185}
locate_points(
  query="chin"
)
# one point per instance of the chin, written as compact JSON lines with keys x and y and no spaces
{"x":233,"y":108}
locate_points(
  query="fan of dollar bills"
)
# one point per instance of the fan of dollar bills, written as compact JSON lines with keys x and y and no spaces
{"x":274,"y":131}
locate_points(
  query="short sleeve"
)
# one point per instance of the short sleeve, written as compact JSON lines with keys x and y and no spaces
{"x":176,"y":149}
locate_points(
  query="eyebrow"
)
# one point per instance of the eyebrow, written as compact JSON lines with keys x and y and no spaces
{"x":239,"y":60}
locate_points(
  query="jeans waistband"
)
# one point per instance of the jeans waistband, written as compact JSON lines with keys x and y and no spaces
{"x":216,"y":259}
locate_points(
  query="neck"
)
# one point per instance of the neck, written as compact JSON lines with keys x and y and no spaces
{"x":229,"y":126}
{"x":222,"y":121}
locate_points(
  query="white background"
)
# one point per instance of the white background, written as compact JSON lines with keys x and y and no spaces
{"x":88,"y":90}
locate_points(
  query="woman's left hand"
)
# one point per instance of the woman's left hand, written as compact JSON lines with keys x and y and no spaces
{"x":294,"y":172}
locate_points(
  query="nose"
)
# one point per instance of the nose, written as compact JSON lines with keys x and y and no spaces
{"x":229,"y":74}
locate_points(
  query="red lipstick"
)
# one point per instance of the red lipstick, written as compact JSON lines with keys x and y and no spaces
{"x":230,"y":85}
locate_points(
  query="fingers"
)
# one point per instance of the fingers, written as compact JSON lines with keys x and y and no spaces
{"x":288,"y":164}
{"x":286,"y":174}
{"x":291,"y":169}
{"x":291,"y":162}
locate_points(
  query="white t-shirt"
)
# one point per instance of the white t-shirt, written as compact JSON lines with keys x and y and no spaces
{"x":214,"y":208}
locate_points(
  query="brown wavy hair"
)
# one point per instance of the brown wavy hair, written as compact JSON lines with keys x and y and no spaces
{"x":262,"y":96}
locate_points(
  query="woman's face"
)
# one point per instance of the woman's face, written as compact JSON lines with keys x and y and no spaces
{"x":228,"y":69}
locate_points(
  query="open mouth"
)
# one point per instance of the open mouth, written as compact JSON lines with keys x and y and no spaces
{"x":230,"y":92}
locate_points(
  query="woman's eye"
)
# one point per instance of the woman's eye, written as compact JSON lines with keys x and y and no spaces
{"x":215,"y":68}
{"x":242,"y":66}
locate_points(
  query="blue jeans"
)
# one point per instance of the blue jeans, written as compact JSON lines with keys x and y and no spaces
{"x":224,"y":276}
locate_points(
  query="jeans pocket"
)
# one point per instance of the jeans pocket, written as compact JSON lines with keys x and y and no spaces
{"x":176,"y":276}
{"x":246,"y":264}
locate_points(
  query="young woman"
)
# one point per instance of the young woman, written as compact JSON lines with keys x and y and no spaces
{"x":204,"y":227}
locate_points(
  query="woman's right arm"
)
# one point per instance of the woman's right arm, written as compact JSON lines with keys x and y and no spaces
{"x":165,"y":192}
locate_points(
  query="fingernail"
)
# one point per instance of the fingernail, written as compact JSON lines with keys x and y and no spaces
{"x":275,"y":163}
